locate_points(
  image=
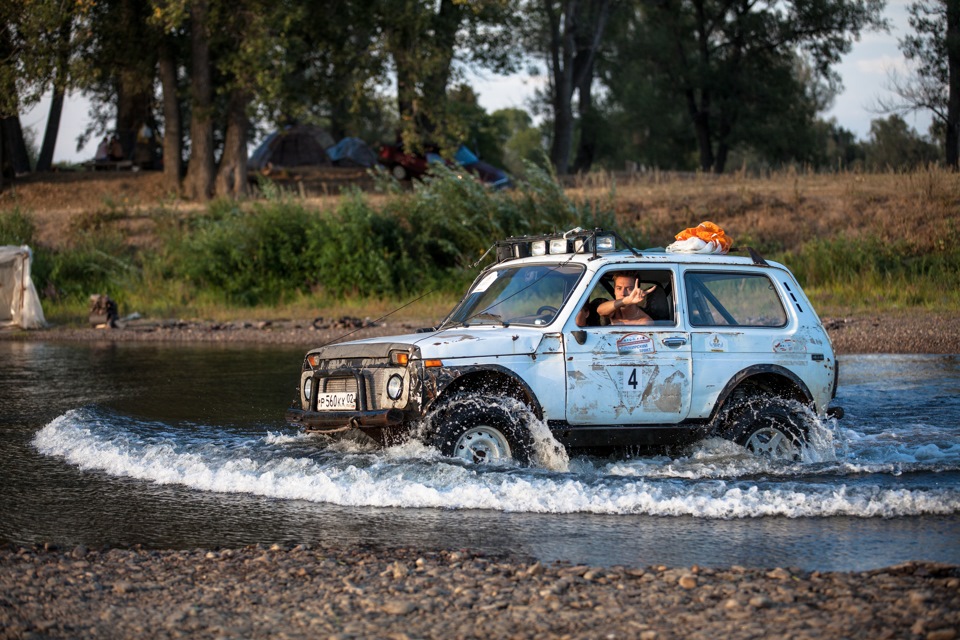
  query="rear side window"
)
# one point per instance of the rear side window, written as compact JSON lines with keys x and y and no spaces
{"x":733,"y":299}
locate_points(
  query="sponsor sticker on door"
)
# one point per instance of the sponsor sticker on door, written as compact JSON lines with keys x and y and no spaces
{"x":635,"y":343}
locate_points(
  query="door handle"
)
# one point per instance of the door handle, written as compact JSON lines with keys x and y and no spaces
{"x":673,"y":343}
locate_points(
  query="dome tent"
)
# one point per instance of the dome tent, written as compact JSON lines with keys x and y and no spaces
{"x":352,"y":152}
{"x":19,"y":302}
{"x":298,"y":145}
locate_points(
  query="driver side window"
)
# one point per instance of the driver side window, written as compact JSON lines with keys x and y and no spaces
{"x":659,"y":304}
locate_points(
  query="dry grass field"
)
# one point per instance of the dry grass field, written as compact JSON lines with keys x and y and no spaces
{"x":782,"y":211}
{"x":779,"y":211}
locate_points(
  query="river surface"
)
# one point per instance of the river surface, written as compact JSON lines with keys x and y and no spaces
{"x":185,"y":446}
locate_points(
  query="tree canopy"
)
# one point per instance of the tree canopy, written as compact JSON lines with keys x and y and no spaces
{"x":680,"y":84}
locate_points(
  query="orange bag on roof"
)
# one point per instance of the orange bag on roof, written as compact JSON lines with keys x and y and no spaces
{"x":706,"y":237}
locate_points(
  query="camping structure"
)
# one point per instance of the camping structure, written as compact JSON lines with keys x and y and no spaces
{"x":352,"y":152}
{"x":486,"y":173}
{"x":299,"y":145}
{"x":19,"y":303}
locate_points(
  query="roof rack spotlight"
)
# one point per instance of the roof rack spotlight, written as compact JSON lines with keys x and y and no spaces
{"x":576,"y":240}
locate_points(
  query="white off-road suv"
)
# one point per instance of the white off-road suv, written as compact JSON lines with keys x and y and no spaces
{"x":732,"y":348}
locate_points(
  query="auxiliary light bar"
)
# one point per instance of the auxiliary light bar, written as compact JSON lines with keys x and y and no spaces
{"x":573,"y":241}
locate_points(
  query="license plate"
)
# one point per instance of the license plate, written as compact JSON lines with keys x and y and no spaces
{"x":335,"y":401}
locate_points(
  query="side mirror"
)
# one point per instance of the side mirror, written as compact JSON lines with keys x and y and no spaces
{"x":579,"y":335}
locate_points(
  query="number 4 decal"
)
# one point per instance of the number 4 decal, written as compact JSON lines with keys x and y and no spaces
{"x":632,"y":379}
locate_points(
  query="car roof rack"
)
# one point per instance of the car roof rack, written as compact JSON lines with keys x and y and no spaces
{"x":571,"y":242}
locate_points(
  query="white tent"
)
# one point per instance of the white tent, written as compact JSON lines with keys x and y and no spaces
{"x":19,"y":303}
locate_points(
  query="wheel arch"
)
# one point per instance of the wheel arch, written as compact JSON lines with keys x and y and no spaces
{"x":486,"y":379}
{"x":769,"y":379}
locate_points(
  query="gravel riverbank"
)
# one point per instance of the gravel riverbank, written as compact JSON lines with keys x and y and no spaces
{"x":301,"y":592}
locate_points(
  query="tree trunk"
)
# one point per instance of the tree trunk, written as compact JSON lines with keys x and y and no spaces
{"x":701,"y":126}
{"x":445,"y":23}
{"x":952,"y":145}
{"x":172,"y":159}
{"x":562,"y":46}
{"x":45,"y":160}
{"x":135,"y":82}
{"x":15,"y":147}
{"x":588,"y":43}
{"x":589,"y":127}
{"x":232,"y":175}
{"x":200,"y":170}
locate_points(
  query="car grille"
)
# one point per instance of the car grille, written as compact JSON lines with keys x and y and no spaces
{"x":374,"y":381}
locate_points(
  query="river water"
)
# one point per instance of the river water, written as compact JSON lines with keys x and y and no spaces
{"x":185,"y":446}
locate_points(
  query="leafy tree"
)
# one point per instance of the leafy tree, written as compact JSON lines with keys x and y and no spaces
{"x":569,"y":34}
{"x":895,"y":145}
{"x":36,"y":53}
{"x":730,"y":60}
{"x":425,"y":39}
{"x":335,"y":62}
{"x":934,"y":48}
{"x":836,"y":148}
{"x":118,"y":47}
{"x":523,"y":143}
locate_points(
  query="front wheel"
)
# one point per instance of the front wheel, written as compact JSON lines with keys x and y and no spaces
{"x":479,"y":431}
{"x":768,"y":427}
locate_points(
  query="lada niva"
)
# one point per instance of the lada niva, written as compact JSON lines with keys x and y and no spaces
{"x":725,"y":346}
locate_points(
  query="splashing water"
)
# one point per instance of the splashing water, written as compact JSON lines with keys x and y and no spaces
{"x":713,"y":479}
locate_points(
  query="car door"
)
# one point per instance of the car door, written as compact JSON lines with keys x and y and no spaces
{"x":629,"y":374}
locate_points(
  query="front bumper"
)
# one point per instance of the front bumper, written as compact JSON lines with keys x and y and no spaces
{"x":334,"y":421}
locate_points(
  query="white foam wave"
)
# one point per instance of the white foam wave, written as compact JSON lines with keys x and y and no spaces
{"x":361,"y":478}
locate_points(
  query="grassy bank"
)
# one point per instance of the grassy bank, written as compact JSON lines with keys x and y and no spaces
{"x":878,"y":242}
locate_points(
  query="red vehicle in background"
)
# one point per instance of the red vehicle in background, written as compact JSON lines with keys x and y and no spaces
{"x":407,"y":166}
{"x":403,"y":165}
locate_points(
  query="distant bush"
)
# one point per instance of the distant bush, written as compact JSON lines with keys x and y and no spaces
{"x":16,"y":227}
{"x":869,"y":272}
{"x":424,"y":239}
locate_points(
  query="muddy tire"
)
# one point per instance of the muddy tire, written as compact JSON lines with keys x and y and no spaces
{"x":479,"y":431}
{"x":768,"y":427}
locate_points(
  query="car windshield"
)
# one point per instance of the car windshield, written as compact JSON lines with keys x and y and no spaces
{"x":530,"y":294}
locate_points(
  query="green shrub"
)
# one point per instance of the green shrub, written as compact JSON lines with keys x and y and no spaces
{"x":250,"y":256}
{"x":16,"y":227}
{"x":94,"y":263}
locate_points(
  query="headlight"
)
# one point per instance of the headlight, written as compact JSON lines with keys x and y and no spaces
{"x":307,"y":388}
{"x":394,"y":387}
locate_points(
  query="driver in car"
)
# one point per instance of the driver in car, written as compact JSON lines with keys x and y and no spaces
{"x":629,"y":297}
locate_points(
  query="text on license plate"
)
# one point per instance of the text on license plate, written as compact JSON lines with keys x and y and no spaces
{"x":334,"y":401}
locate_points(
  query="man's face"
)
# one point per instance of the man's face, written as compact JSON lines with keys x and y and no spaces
{"x":623,"y":285}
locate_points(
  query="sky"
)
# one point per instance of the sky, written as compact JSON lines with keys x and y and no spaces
{"x":865,"y":72}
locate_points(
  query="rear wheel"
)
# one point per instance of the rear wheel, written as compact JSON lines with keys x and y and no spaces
{"x":768,"y":427}
{"x":477,"y":430}
{"x":399,"y":172}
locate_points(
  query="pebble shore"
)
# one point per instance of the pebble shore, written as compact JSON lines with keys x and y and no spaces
{"x":914,"y":332}
{"x":302,"y":592}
